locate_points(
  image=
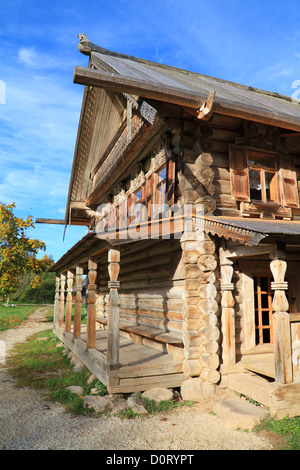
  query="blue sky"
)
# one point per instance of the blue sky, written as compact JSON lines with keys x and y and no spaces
{"x":250,"y":42}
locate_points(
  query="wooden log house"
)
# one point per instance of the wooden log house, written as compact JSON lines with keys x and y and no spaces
{"x":216,"y":295}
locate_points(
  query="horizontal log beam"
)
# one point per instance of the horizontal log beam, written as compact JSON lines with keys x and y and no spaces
{"x":189,"y":98}
{"x":123,"y":84}
{"x":256,"y":114}
{"x":50,"y":221}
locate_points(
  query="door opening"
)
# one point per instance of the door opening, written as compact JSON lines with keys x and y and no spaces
{"x":263,"y":296}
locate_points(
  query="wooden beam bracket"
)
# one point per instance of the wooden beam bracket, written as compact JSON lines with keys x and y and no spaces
{"x":204,"y":113}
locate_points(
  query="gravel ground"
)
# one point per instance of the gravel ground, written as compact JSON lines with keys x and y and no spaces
{"x":28,"y":422}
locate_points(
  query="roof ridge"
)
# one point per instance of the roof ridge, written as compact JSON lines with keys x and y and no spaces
{"x":86,"y":47}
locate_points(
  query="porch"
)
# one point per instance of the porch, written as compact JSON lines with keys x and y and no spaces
{"x":264,"y":312}
{"x":133,"y":336}
{"x":140,"y":366}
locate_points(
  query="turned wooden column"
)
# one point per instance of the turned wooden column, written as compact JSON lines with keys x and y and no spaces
{"x":56,"y":301}
{"x":70,"y":277}
{"x":91,"y":308}
{"x":227,"y":317}
{"x":281,"y":324}
{"x":113,"y":339}
{"x":78,"y":302}
{"x":62,"y":301}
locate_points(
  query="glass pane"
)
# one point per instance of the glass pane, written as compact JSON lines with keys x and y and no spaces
{"x":256,"y":337}
{"x":138,"y":196}
{"x":264,"y":301}
{"x":264,"y":284}
{"x":261,"y":162}
{"x":266,"y":336}
{"x":265,"y":318}
{"x":162,"y":174}
{"x":255,"y":184}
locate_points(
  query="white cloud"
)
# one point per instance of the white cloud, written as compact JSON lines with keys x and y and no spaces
{"x":28,"y":56}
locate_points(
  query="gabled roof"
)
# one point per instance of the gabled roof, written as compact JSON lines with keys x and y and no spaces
{"x":109,"y":75}
{"x":116,"y":71}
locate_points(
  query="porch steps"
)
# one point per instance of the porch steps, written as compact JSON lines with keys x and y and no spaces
{"x":252,"y":386}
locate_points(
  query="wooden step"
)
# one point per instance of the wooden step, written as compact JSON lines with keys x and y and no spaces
{"x":251,"y":386}
{"x":263,"y":364}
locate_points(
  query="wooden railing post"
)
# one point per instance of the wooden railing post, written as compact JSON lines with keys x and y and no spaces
{"x":281,"y":324}
{"x":91,"y":309}
{"x":227,"y":317}
{"x":56,"y":301}
{"x":62,"y":300}
{"x":70,"y":277}
{"x":113,"y":340}
{"x":78,"y":302}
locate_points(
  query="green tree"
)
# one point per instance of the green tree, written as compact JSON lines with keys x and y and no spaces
{"x":18,"y":251}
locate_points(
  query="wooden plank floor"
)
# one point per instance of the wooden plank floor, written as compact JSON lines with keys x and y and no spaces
{"x":141,"y":367}
{"x":132,"y":355}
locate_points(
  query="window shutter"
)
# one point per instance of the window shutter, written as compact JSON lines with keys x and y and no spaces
{"x":239,"y":177}
{"x":288,"y":178}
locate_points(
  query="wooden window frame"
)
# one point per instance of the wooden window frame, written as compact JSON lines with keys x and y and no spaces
{"x":263,"y":170}
{"x":259,"y":310}
{"x":167,"y":196}
{"x":160,"y":193}
{"x":249,"y":313}
{"x":287,"y":196}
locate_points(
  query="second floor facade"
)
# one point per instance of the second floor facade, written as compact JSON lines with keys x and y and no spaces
{"x":137,"y":156}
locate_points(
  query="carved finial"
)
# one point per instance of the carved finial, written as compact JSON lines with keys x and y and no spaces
{"x":86,"y":47}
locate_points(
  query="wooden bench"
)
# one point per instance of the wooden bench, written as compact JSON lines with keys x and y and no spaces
{"x":147,"y":331}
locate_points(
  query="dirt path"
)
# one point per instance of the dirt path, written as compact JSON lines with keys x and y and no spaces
{"x":28,"y":422}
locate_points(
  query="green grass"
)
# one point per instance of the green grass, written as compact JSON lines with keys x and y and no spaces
{"x":154,"y":407}
{"x":284,"y":432}
{"x":10,"y":317}
{"x":40,"y":363}
{"x":163,"y":406}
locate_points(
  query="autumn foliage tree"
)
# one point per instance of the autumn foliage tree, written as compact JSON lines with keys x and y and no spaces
{"x":18,"y":251}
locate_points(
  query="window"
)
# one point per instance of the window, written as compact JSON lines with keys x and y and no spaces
{"x":262,"y":177}
{"x":137,"y":201}
{"x":264,"y":181}
{"x":263,"y":296}
{"x":161,"y":188}
{"x":263,"y":310}
{"x":134,"y":206}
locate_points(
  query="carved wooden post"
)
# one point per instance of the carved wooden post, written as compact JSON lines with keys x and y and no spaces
{"x":56,"y":301}
{"x":281,"y":324}
{"x":78,"y":303}
{"x":113,"y":341}
{"x":227,"y":319}
{"x":70,"y":277}
{"x":62,"y":300}
{"x":91,"y":309}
